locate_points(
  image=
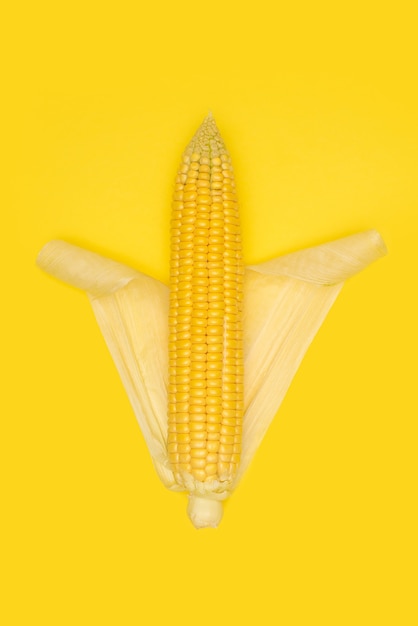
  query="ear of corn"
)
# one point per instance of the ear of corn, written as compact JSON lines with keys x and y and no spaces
{"x":285,"y":302}
{"x":206,"y":375}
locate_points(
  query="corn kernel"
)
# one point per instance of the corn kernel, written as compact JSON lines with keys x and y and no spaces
{"x":205,"y":342}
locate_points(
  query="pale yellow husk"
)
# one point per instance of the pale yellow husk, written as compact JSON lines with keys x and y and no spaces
{"x":285,"y":302}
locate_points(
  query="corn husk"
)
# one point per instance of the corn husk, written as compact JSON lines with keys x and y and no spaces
{"x":285,"y":302}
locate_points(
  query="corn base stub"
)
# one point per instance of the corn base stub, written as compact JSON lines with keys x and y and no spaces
{"x":204,"y":512}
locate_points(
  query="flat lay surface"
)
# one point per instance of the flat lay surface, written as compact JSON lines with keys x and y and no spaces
{"x":317,"y":107}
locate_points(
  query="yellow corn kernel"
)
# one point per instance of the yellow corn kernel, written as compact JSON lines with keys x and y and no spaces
{"x":205,"y":317}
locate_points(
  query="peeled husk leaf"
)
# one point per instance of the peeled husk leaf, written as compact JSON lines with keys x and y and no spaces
{"x":131,"y":309}
{"x":286,"y":302}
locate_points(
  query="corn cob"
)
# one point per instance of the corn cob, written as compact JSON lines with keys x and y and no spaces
{"x":205,"y":401}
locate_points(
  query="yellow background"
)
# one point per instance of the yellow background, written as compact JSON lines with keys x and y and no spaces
{"x":318,"y":105}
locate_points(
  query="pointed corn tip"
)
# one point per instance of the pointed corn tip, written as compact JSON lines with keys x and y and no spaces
{"x":207,"y":140}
